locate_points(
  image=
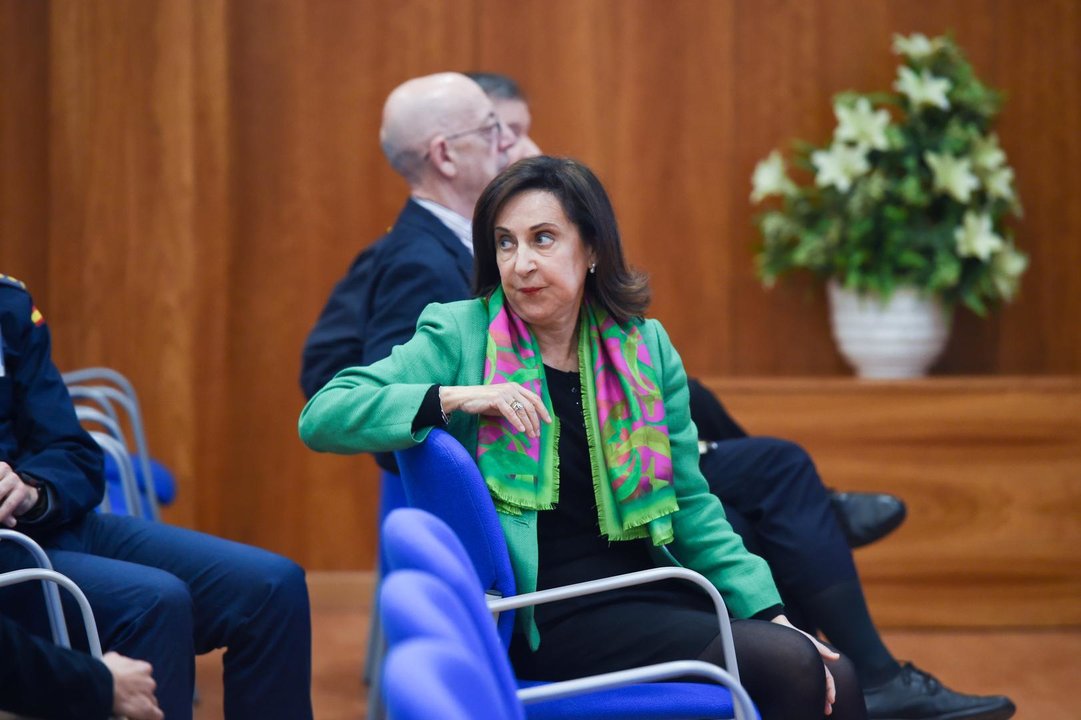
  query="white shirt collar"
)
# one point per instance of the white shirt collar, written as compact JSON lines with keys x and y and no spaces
{"x":461,"y":227}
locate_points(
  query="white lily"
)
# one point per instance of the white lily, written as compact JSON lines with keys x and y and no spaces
{"x":839,"y":165}
{"x":1006,"y":269}
{"x":986,"y":154}
{"x":976,"y":237}
{"x":999,"y":184}
{"x":923,"y":89}
{"x":953,"y":175}
{"x":861,"y":124}
{"x":915,"y":46}
{"x":770,"y":178}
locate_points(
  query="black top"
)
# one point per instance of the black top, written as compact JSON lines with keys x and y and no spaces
{"x":571,"y":547}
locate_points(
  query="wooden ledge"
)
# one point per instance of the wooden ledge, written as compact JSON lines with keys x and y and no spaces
{"x":943,"y":384}
{"x":990,"y":468}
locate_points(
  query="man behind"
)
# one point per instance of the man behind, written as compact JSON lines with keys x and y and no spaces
{"x":442,"y":135}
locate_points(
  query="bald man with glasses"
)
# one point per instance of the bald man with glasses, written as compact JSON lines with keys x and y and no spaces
{"x":442,"y":135}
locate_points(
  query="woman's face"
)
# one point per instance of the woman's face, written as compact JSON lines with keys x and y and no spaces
{"x":542,"y":260}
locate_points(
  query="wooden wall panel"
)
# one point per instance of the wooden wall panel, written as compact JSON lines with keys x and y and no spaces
{"x":124,"y":282}
{"x":612,"y":90}
{"x":989,"y":470}
{"x":198,"y":175}
{"x":24,"y":157}
{"x":310,"y":190}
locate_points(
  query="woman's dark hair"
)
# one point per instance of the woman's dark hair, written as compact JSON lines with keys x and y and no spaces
{"x":619,"y":289}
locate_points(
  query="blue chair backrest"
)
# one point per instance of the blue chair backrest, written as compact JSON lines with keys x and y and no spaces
{"x":418,"y":604}
{"x":416,"y":540}
{"x":440,"y":476}
{"x":391,"y":497}
{"x":430,"y":678}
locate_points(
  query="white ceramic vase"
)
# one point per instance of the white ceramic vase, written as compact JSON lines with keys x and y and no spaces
{"x":899,"y":338}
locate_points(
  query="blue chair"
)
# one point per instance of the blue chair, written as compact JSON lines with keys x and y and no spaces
{"x":106,"y":389}
{"x":50,"y":582}
{"x":391,"y":497}
{"x":93,"y":641}
{"x":121,"y":497}
{"x":440,"y":476}
{"x":417,"y":605}
{"x":431,"y":678}
{"x":417,"y":540}
{"x":53,"y":608}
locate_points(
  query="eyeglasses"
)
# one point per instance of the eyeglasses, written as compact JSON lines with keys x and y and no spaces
{"x":491,"y":127}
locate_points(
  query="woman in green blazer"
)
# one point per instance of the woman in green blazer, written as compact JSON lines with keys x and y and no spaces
{"x":577,"y":411}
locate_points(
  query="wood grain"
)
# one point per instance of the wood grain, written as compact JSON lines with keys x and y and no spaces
{"x":24,"y":143}
{"x":182,"y":183}
{"x":990,"y":470}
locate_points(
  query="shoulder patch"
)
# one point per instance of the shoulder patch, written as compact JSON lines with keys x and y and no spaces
{"x":35,"y":315}
{"x":12,"y":282}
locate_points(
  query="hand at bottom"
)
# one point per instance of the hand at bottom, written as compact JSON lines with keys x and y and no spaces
{"x":133,"y":688}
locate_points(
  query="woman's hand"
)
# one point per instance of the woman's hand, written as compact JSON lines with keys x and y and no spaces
{"x":521,"y":406}
{"x":826,"y":653}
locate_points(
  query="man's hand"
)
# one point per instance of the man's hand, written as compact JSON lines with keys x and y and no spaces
{"x":16,"y":497}
{"x":133,"y":688}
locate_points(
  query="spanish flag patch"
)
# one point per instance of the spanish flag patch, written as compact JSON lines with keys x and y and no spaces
{"x":35,"y":315}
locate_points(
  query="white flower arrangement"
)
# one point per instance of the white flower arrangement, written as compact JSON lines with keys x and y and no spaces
{"x":913,"y":189}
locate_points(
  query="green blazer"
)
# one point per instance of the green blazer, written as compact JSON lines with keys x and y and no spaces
{"x":370,"y":409}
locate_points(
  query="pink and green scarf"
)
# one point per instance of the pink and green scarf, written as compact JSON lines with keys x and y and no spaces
{"x":624,"y":409}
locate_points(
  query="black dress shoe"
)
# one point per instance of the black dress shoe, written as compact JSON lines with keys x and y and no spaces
{"x":916,"y":695}
{"x":866,"y":517}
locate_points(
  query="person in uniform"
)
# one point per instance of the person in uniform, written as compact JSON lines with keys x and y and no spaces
{"x":159,"y":593}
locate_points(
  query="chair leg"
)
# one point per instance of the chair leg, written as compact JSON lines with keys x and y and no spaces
{"x":377,"y":650}
{"x":375,"y":639}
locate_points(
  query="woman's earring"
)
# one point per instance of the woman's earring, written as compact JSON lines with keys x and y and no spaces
{"x":593,"y":268}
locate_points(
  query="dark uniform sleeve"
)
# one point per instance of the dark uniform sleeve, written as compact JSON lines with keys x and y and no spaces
{"x":42,"y":680}
{"x":40,"y":436}
{"x":709,"y":415}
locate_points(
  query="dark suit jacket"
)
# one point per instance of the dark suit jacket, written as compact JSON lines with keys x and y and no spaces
{"x":377,"y":304}
{"x":710,"y":416}
{"x":42,"y":680}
